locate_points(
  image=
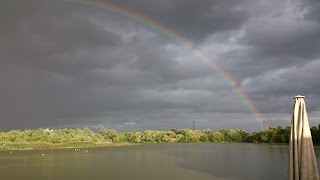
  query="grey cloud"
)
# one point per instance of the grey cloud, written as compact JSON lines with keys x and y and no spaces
{"x":286,"y":83}
{"x":273,"y":42}
{"x":46,"y":34}
{"x":284,"y":36}
{"x":63,"y":64}
{"x":194,"y":20}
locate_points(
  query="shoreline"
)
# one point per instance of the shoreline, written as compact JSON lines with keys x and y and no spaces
{"x":58,"y":146}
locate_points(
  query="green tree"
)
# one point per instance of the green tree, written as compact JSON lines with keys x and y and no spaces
{"x":234,"y":136}
{"x":108,"y":134}
{"x":136,"y":137}
{"x":204,"y":138}
{"x":216,"y":137}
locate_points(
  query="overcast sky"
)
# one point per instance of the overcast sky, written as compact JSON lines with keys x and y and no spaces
{"x":69,"y":65}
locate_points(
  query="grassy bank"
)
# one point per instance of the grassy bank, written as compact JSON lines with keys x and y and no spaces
{"x":49,"y":146}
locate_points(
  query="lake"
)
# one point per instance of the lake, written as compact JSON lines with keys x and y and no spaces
{"x":151,"y":161}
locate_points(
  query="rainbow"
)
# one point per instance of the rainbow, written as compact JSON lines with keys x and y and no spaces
{"x":140,"y":18}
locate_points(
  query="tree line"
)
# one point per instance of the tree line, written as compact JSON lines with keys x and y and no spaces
{"x":106,"y":135}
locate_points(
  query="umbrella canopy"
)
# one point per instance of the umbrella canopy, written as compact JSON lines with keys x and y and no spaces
{"x":303,"y":163}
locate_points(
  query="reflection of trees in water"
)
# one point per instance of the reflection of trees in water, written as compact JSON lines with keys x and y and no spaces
{"x":237,"y":161}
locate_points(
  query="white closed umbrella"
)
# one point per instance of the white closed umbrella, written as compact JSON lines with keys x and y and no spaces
{"x":303,"y":163}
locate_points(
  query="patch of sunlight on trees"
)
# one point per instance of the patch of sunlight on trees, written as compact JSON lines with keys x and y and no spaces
{"x":46,"y":137}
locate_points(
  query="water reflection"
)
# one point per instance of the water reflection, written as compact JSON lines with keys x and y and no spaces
{"x":153,"y":161}
{"x":237,"y":161}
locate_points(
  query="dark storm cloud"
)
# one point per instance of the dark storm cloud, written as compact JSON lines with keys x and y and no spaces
{"x":278,"y":56}
{"x":279,"y":38}
{"x":40,"y":70}
{"x":45,"y":34}
{"x":192,"y":19}
{"x":64,"y":64}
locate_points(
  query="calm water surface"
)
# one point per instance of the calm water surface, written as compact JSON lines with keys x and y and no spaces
{"x":152,"y":161}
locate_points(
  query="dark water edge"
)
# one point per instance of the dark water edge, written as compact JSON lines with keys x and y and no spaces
{"x":151,"y":161}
